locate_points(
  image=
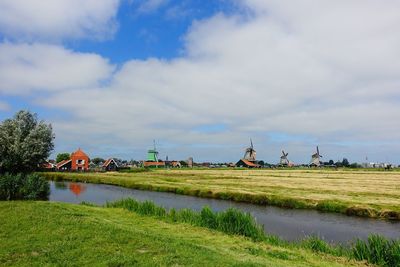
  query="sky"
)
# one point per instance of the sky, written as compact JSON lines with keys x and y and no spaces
{"x":203,"y":77}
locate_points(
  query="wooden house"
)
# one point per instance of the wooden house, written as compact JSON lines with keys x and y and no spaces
{"x":110,"y":165}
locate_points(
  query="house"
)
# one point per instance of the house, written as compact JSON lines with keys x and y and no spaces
{"x":65,"y":165}
{"x":175,"y":164}
{"x":110,"y":165}
{"x":79,"y":161}
{"x":247,"y":164}
{"x":154,"y":164}
{"x":48,"y":165}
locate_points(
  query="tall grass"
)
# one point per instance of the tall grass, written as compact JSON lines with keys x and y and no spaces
{"x":376,"y":250}
{"x":23,"y":187}
{"x":231,"y":221}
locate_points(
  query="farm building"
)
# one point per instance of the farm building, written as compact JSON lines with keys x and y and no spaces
{"x":79,"y":161}
{"x":110,"y":165}
{"x":152,"y":159}
{"x":243,"y":163}
{"x":249,"y":158}
{"x":154,"y":164}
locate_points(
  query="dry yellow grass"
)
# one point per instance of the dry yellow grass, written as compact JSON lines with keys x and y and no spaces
{"x":363,"y":193}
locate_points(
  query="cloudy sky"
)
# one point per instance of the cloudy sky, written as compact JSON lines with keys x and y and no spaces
{"x":203,"y":77}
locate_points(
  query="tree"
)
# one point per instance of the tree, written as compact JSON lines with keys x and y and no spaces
{"x":183,"y":163}
{"x":25,"y":142}
{"x":62,"y":156}
{"x":345,"y":162}
{"x":97,"y":161}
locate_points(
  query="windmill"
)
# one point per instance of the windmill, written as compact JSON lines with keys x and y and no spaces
{"x":152,"y":154}
{"x":316,"y":159}
{"x":284,"y":160}
{"x":250,"y":153}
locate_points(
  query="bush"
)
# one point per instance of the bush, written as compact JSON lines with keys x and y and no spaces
{"x":23,"y":187}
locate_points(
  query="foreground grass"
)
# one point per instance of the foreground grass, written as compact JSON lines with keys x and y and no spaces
{"x":48,"y":234}
{"x":374,"y":194}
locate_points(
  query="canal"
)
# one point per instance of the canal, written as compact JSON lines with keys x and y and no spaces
{"x":289,"y":224}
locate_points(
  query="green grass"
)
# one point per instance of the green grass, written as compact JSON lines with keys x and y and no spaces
{"x":366,"y":193}
{"x":59,"y":234}
{"x":231,"y":221}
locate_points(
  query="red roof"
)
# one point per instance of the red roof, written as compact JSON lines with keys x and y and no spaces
{"x":79,"y":154}
{"x":62,"y":163}
{"x":108,"y":162}
{"x":249,"y":163}
{"x":153,"y":163}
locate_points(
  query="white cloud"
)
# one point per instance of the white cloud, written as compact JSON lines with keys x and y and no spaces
{"x":148,"y":6}
{"x":326,"y":70}
{"x":40,"y":67}
{"x":58,"y":19}
{"x":4,"y":106}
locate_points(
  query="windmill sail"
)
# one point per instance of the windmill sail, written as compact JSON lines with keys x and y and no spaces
{"x":316,"y":158}
{"x":284,"y":160}
{"x":250,"y":153}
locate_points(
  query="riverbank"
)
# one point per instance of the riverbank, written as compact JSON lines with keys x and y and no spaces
{"x":45,"y":233}
{"x":373,"y":194}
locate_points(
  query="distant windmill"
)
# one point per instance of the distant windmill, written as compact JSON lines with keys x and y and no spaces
{"x":316,"y":159}
{"x":152,"y":154}
{"x":284,"y":160}
{"x":250,"y":153}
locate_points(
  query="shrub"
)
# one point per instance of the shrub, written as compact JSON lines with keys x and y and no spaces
{"x":10,"y":186}
{"x":20,"y":186}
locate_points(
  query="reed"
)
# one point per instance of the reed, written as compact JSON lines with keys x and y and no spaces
{"x":231,"y":221}
{"x":378,"y":250}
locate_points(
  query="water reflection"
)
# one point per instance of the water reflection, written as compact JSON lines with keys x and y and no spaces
{"x":77,"y":189}
{"x":60,"y":185}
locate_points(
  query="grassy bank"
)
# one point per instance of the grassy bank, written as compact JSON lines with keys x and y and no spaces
{"x":374,"y":194}
{"x":43,"y":233}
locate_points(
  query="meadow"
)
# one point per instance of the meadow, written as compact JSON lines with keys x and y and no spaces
{"x":60,"y":234}
{"x":367,"y":193}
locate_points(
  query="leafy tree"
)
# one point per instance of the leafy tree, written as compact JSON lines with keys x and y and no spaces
{"x":25,"y":142}
{"x":339,"y":164}
{"x":331,"y":162}
{"x":354,"y":165}
{"x":345,"y":162}
{"x":183,"y":163}
{"x":62,"y":156}
{"x":97,"y":161}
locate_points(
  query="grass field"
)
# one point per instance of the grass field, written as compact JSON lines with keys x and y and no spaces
{"x":59,"y":234}
{"x":373,"y":194}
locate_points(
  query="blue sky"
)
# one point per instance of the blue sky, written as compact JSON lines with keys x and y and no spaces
{"x":154,"y":32}
{"x":203,"y":77}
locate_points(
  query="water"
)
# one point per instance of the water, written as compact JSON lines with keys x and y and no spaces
{"x":288,"y":224}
